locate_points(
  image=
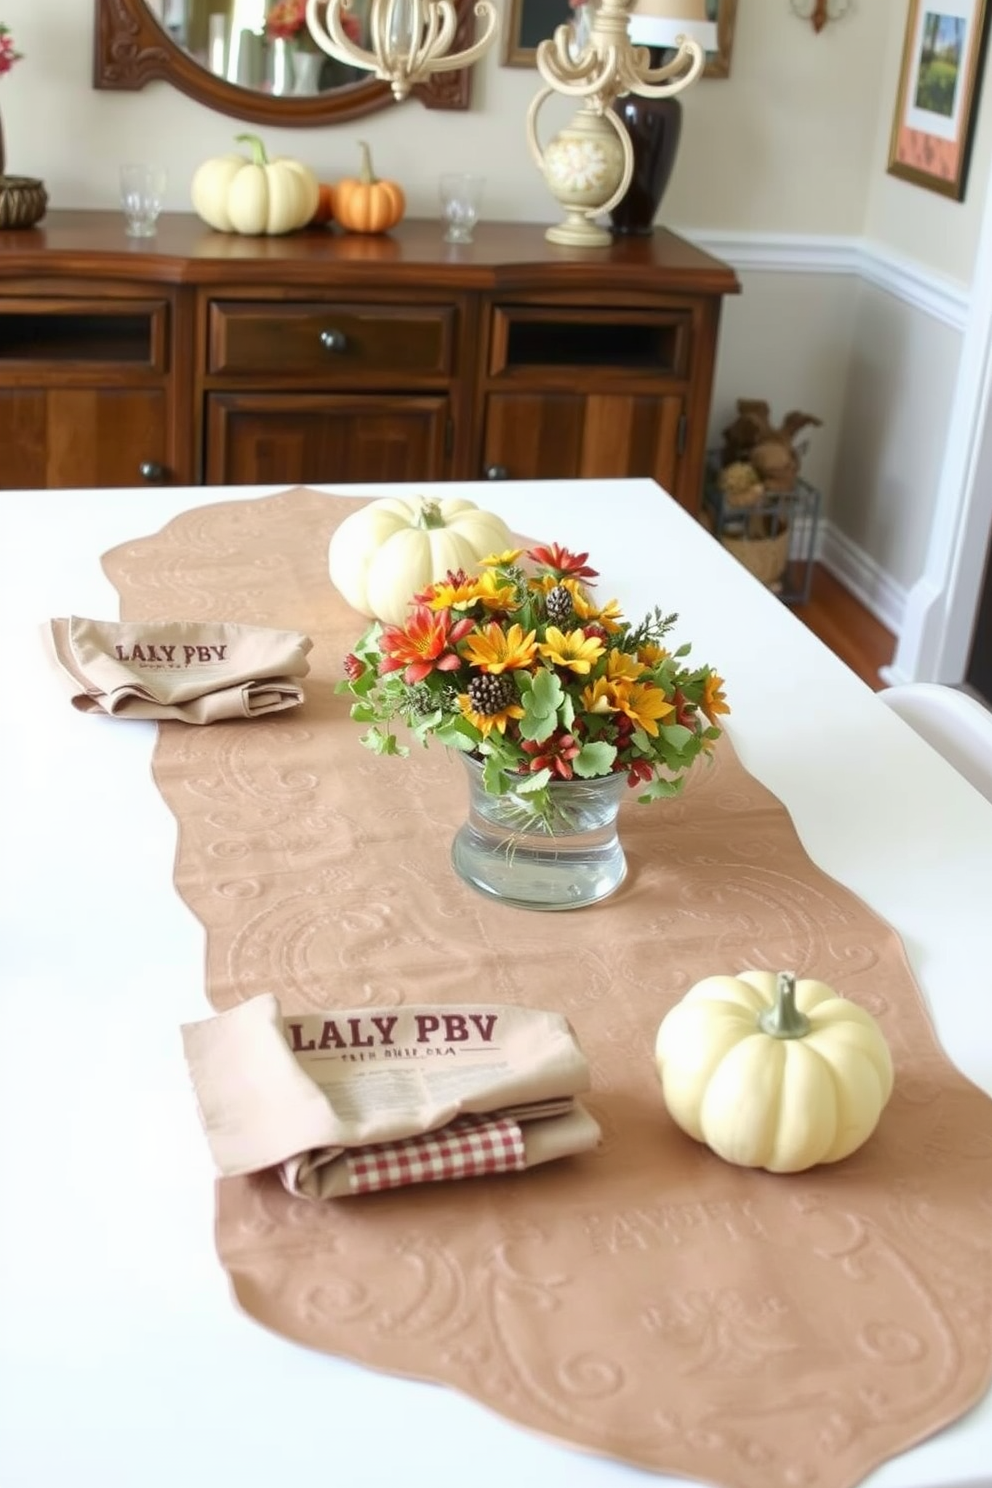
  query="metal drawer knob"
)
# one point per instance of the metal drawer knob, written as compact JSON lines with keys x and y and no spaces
{"x":497,"y":472}
{"x":151,"y":470}
{"x":333,"y":340}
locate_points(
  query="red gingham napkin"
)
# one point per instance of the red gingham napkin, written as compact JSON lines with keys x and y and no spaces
{"x":468,"y":1147}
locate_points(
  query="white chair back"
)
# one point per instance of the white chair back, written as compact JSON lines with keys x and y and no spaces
{"x":953,"y":723}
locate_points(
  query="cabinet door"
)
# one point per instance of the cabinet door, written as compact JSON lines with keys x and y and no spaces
{"x":548,"y":436}
{"x":82,"y":436}
{"x":260,"y":438}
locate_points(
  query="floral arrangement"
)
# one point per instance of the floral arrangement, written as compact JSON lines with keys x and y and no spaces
{"x":7,"y":54}
{"x":288,"y":20}
{"x":520,"y":668}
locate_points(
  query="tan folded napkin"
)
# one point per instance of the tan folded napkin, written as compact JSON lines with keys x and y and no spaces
{"x":353,"y":1100}
{"x":190,"y":671}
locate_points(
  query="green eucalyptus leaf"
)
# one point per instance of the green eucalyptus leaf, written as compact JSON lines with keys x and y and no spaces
{"x":677,"y":735}
{"x":546,"y":692}
{"x":494,"y":780}
{"x":660,"y":790}
{"x":537,"y":727}
{"x":594,"y":759}
{"x":532,"y":785}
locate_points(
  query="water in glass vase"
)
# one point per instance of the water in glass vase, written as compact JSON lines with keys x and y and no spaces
{"x":565,"y":859}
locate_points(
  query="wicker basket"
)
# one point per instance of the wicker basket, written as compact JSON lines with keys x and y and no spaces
{"x":764,"y":554}
{"x":765,"y":557}
{"x":23,"y":201}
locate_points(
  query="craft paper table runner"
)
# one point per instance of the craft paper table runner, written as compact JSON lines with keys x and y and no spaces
{"x":648,"y":1301}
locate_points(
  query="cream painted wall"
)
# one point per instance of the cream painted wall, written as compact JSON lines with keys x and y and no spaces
{"x":896,"y":398}
{"x":787,"y":338}
{"x":779,"y":146}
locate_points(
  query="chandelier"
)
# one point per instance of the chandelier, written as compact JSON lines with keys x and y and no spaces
{"x":408,"y":39}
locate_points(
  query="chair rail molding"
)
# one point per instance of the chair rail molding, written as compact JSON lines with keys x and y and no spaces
{"x":945,"y":299}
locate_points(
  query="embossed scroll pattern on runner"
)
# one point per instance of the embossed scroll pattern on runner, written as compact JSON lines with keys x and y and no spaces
{"x":648,"y":1301}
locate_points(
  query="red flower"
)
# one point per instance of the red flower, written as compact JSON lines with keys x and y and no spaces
{"x":354,"y":667}
{"x":684,"y":712}
{"x":639,"y":770}
{"x":423,"y":645}
{"x":562,"y":563}
{"x":554,"y":754}
{"x":7,"y":54}
{"x":286,"y":19}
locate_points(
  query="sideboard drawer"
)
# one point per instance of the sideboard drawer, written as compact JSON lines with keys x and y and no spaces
{"x":528,"y":341}
{"x":332,"y":339}
{"x":96,"y":334}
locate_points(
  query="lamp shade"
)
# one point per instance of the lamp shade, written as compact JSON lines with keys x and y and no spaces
{"x":659,"y":23}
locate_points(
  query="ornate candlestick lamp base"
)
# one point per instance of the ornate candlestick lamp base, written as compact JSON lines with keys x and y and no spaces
{"x":586,"y":170}
{"x":589,"y":165}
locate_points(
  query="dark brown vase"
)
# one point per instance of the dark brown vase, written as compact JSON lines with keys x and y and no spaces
{"x":654,"y":126}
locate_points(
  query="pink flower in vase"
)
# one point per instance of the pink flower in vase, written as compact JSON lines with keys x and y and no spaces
{"x":8,"y":56}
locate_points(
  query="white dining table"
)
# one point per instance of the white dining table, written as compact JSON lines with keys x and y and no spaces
{"x":124,"y":1362}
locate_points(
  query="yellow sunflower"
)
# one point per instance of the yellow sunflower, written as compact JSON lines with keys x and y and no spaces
{"x":599,"y":696}
{"x":448,"y":596}
{"x":713,"y":701}
{"x":576,"y":651}
{"x":609,"y":616}
{"x":622,"y":667}
{"x":495,"y":650}
{"x":651,"y":654}
{"x":486,"y":722}
{"x":492,"y":594}
{"x":644,"y":704}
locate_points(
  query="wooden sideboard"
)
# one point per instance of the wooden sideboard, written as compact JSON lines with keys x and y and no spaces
{"x":198,"y":357}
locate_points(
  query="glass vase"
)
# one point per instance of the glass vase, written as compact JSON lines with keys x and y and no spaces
{"x":564,"y":859}
{"x":307,"y":68}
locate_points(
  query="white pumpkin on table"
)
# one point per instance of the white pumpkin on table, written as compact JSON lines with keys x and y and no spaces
{"x":255,"y":196}
{"x":773,"y":1073}
{"x":389,"y":550}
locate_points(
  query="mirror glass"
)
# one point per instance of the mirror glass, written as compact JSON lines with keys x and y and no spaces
{"x":255,"y":60}
{"x":258,"y":45}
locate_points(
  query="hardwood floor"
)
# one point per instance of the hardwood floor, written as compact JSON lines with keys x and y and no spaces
{"x":844,"y":625}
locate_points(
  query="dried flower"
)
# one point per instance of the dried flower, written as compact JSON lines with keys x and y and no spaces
{"x":521,"y":669}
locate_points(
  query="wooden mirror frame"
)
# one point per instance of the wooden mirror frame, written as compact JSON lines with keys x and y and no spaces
{"x":130,"y":50}
{"x":515,"y":54}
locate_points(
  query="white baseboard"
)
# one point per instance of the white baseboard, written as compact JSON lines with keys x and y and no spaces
{"x":874,"y":263}
{"x":870,"y":584}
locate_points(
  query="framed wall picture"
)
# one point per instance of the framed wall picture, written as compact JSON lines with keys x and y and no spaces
{"x":938,"y":93}
{"x":529,"y":22}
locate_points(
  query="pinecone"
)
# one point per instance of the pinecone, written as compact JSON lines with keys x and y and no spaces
{"x":559,"y":605}
{"x":490,"y":694}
